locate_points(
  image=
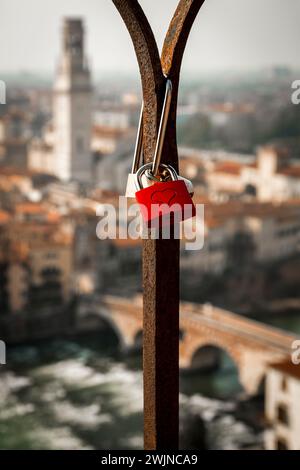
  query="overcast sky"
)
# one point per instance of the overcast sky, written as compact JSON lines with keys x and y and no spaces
{"x":228,"y":34}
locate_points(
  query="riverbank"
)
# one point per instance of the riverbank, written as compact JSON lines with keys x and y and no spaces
{"x":82,"y":394}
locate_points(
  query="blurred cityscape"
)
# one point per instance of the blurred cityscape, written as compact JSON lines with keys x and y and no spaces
{"x":73,"y":375}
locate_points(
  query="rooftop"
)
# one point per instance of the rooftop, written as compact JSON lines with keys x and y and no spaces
{"x":12,"y":171}
{"x":126,"y":243}
{"x":217,"y":214}
{"x":37,"y":209}
{"x":111,"y":132}
{"x":287,"y":368}
{"x":4,"y":217}
{"x":291,"y":171}
{"x":233,"y":168}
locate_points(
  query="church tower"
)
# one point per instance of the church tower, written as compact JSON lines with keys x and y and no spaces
{"x":73,"y":107}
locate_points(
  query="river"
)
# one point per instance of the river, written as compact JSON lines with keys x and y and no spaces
{"x":81,"y":394}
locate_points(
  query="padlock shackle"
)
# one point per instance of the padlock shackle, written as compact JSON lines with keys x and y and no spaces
{"x":146,"y":167}
{"x":150,"y":175}
{"x":162,"y":128}
{"x":139,"y":143}
{"x":160,"y":136}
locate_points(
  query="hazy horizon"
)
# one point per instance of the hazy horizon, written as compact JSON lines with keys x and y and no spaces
{"x":30,"y":35}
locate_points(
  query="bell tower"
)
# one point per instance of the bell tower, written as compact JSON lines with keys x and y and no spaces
{"x":73,"y":107}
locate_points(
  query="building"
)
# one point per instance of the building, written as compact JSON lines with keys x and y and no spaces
{"x":111,"y":171}
{"x":112,"y":265}
{"x":73,"y":108}
{"x":39,"y":275}
{"x":40,"y":156}
{"x":274,"y":176}
{"x":119,"y":265}
{"x":14,"y":136}
{"x":271,"y":176}
{"x":225,"y":178}
{"x":282,"y":406}
{"x":40,"y":151}
{"x":36,"y":258}
{"x":264,"y":232}
{"x":15,"y":179}
{"x":108,"y":140}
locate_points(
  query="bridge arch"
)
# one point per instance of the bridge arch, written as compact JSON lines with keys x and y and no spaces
{"x":210,"y":354}
{"x":250,"y":364}
{"x":128,"y":331}
{"x":250,"y":345}
{"x":191,"y":348}
{"x":112,"y":325}
{"x":138,"y":339}
{"x":261,"y":385}
{"x":218,"y":370}
{"x":126,"y":327}
{"x":206,"y":357}
{"x":93,"y":319}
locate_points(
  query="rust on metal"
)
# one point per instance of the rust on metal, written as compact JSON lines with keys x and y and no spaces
{"x":160,"y":257}
{"x":150,"y":69}
{"x":171,"y":60}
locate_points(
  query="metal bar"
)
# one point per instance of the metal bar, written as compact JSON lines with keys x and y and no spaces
{"x":171,"y":60}
{"x":160,"y":257}
{"x":162,"y":128}
{"x":161,"y":343}
{"x":139,"y":144}
{"x":152,"y":77}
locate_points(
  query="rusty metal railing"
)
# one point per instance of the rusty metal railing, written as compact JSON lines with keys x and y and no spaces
{"x":160,"y":257}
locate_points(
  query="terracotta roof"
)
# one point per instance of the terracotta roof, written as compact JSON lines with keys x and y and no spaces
{"x":233,"y":209}
{"x":29,"y":208}
{"x":10,"y":171}
{"x":232,"y":168}
{"x":112,"y":132}
{"x":127,"y":243}
{"x":287,"y":368}
{"x":32,"y":208}
{"x":35,"y":235}
{"x":231,"y":107}
{"x":201,"y":199}
{"x":251,"y":165}
{"x":53,"y":216}
{"x":291,"y":171}
{"x":292,"y":202}
{"x":4,"y":217}
{"x":213,"y":222}
{"x":19,"y":251}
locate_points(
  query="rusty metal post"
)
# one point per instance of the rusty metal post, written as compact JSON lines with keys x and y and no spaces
{"x":160,"y":257}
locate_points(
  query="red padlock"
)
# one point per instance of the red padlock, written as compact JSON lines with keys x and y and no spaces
{"x":165,"y":201}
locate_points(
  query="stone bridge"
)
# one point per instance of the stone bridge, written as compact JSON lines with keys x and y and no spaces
{"x":250,"y":344}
